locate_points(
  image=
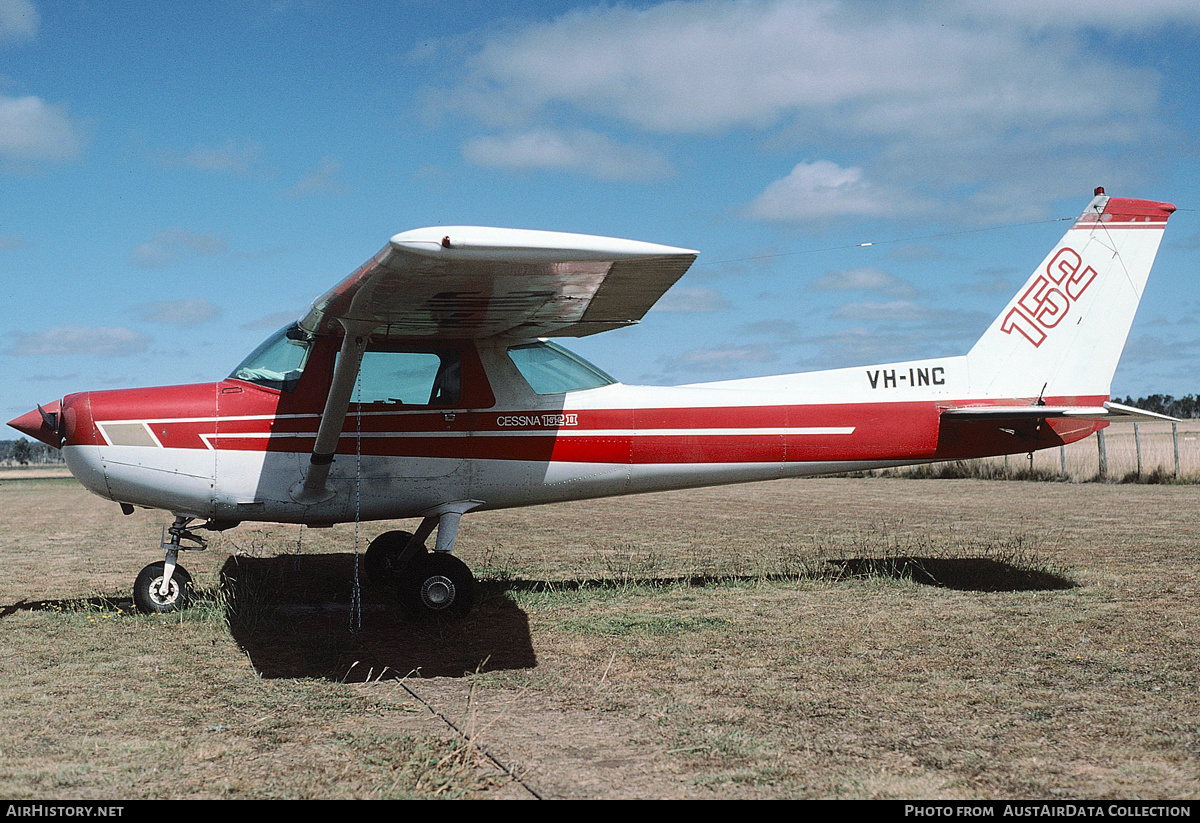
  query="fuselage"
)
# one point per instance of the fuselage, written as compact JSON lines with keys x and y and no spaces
{"x":505,"y":436}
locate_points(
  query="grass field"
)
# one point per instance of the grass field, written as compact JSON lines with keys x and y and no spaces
{"x":840,"y":638}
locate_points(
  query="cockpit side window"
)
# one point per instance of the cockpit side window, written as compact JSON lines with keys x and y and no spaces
{"x":551,"y":369}
{"x":279,"y":361}
{"x":408,"y":377}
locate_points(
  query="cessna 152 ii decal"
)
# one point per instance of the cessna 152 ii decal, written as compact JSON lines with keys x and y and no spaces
{"x":423,"y":386}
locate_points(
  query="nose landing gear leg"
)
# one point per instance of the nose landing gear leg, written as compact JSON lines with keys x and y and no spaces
{"x":166,"y":586}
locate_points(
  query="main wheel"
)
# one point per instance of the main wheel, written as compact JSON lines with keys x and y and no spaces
{"x":386,"y":557}
{"x":147,"y":594}
{"x":438,"y":584}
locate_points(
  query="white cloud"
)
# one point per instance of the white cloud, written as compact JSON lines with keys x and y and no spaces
{"x":1038,"y":15}
{"x":818,"y":191}
{"x":674,"y":67}
{"x":275,"y":320}
{"x":321,"y":180}
{"x":864,"y":279}
{"x":692,"y":301}
{"x":705,"y":66}
{"x":727,"y":355}
{"x":580,"y":150}
{"x":19,"y":21}
{"x":234,"y":157}
{"x":173,"y":245}
{"x":897,"y":330}
{"x":982,"y":103}
{"x":33,"y":130}
{"x":185,"y":312}
{"x":901,"y":310}
{"x":74,"y":340}
{"x":859,"y":346}
{"x":718,"y":360}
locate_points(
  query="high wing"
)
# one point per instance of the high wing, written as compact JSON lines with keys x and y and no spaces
{"x":470,"y":281}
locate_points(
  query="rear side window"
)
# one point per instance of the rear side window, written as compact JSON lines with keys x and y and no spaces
{"x":551,"y":369}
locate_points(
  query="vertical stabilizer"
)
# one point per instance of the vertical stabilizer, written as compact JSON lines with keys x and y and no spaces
{"x":1063,"y":332}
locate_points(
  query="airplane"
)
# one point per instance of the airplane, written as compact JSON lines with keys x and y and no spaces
{"x":427,"y":385}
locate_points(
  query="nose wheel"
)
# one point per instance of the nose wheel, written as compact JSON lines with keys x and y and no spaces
{"x":148,"y":591}
{"x":166,"y":586}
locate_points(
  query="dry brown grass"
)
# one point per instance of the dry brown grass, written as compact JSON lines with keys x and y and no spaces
{"x":737,"y":642}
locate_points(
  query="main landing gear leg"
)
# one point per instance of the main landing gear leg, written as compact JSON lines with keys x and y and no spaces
{"x":166,"y":586}
{"x":428,"y":583}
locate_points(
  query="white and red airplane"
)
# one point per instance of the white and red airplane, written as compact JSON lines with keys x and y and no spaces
{"x":422,"y":386}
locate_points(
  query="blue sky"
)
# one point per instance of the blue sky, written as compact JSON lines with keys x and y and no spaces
{"x":177,"y":180}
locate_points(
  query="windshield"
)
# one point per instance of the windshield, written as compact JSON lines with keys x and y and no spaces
{"x":279,"y":361}
{"x":551,"y":369}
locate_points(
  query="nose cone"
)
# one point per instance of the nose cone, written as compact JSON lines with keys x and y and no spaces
{"x":43,"y":423}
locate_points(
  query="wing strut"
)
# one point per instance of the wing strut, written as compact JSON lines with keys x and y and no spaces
{"x":312,"y":489}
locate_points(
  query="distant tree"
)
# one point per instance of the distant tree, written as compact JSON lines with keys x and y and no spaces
{"x":28,"y":451}
{"x":22,"y":452}
{"x":1186,"y":407}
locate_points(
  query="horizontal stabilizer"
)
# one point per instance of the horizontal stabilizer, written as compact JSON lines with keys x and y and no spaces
{"x":1109,"y":411}
{"x":1117,"y":410}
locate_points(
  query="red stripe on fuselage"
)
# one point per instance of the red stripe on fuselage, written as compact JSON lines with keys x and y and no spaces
{"x":186,"y":417}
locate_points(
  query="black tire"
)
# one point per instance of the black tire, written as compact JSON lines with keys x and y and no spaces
{"x":146,"y":594}
{"x":438,"y":584}
{"x":386,"y":559}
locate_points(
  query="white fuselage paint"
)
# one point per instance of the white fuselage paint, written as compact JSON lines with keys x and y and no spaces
{"x":254,"y":485}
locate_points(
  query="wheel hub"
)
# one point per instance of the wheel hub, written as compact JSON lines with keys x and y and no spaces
{"x":437,"y":592}
{"x":156,"y":592}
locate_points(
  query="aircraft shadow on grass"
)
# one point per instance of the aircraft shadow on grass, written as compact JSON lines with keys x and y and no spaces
{"x":976,"y":574}
{"x":293,"y":615}
{"x":299,"y":627}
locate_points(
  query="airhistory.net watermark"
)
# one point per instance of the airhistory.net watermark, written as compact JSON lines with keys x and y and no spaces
{"x":61,"y":810}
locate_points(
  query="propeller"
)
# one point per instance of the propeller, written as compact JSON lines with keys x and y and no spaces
{"x":53,"y":421}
